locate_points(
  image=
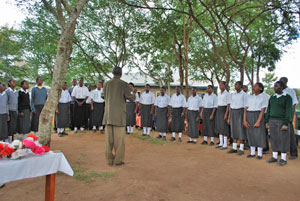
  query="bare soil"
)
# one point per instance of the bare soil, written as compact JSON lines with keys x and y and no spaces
{"x":160,"y":171}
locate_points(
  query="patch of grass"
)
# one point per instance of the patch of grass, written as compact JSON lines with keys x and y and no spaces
{"x":82,"y":174}
{"x":83,"y":155}
{"x":157,"y":141}
{"x":108,"y":174}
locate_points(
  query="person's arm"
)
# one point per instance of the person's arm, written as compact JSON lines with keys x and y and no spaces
{"x":267,"y":115}
{"x":128,"y":95}
{"x":229,"y":114}
{"x":245,"y":122}
{"x":69,"y":107}
{"x":136,"y":103}
{"x":288,"y":113}
{"x":212,"y":115}
{"x":32,"y":100}
{"x":201,"y":113}
{"x":260,"y":117}
{"x":92,"y":100}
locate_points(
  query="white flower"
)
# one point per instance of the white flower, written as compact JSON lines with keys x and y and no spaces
{"x":16,"y":144}
{"x":18,"y":154}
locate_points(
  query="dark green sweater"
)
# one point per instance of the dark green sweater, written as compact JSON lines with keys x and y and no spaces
{"x":280,"y":109}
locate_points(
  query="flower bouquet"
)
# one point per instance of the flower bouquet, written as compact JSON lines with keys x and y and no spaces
{"x":18,"y":149}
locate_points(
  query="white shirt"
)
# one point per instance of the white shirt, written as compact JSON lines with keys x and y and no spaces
{"x":162,"y":101}
{"x":88,"y":100}
{"x":96,"y":96}
{"x":12,"y":90}
{"x":267,"y":97}
{"x":223,"y":98}
{"x":177,"y":101}
{"x":80,"y":92}
{"x":194,"y":103}
{"x":137,"y":98}
{"x":256,"y":102}
{"x":147,"y":98}
{"x":279,"y":95}
{"x":292,"y":93}
{"x":210,"y":101}
{"x":65,"y":96}
{"x":238,"y":100}
{"x":25,"y":91}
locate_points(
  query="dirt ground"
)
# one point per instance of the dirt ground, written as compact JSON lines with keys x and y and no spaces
{"x":159,"y":171}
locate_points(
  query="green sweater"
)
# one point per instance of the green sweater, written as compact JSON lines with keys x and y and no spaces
{"x":280,"y":109}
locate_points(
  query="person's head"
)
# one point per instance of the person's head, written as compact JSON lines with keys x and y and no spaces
{"x":258,"y":88}
{"x":194,"y":91}
{"x":2,"y":87}
{"x":284,"y":80}
{"x":162,"y":90}
{"x":147,"y":87}
{"x":178,"y":90}
{"x":117,"y":72}
{"x":12,"y":83}
{"x":209,"y":89}
{"x":64,"y":86}
{"x":74,"y":82}
{"x":39,"y":81}
{"x":24,"y":84}
{"x":238,"y":86}
{"x":81,"y":81}
{"x":245,"y":88}
{"x":278,"y":87}
{"x":99,"y":85}
{"x":222,"y":85}
{"x":89,"y":87}
{"x":131,"y":86}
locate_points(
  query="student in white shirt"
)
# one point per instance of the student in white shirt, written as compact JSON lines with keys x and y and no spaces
{"x":63,"y":111}
{"x":80,"y":94}
{"x":194,"y":105}
{"x":161,"y":113}
{"x":208,"y":115}
{"x":72,"y":105}
{"x":147,"y":101}
{"x":221,"y":125}
{"x":131,"y":110}
{"x":293,"y":141}
{"x":236,"y":116}
{"x":88,"y":117}
{"x":254,"y":121}
{"x":176,"y":111}
{"x":97,"y":108}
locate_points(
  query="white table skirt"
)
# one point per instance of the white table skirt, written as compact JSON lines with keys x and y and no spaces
{"x":33,"y":166}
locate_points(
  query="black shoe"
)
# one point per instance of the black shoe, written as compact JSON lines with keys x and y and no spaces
{"x":76,"y":131}
{"x":173,"y":139}
{"x":159,"y":137}
{"x":250,"y":156}
{"x":282,"y":162}
{"x":211,"y":144}
{"x":164,"y":138}
{"x":223,"y":148}
{"x":144,"y":134}
{"x":240,"y":152}
{"x":94,"y":130}
{"x":2,"y":186}
{"x":60,"y":135}
{"x":232,"y":151}
{"x":189,"y":141}
{"x":293,"y":157}
{"x":272,"y":160}
{"x":218,"y":147}
{"x":246,"y":147}
{"x":102,"y":132}
{"x":266,"y":152}
{"x":258,"y":157}
{"x":204,"y":143}
{"x":120,"y":164}
{"x":194,"y":142}
{"x":64,"y":133}
{"x":179,"y":139}
{"x":218,"y":142}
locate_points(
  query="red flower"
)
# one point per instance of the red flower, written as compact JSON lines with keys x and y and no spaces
{"x":29,"y":144}
{"x":7,"y":151}
{"x":34,"y":137}
{"x":38,"y":150}
{"x":47,"y":149}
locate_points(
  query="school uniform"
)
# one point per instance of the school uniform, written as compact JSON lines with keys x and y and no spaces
{"x":24,"y":123}
{"x":3,"y":116}
{"x":130,"y":115}
{"x":162,"y":103}
{"x":267,"y":148}
{"x":13,"y":111}
{"x":98,"y":112}
{"x":208,"y":126}
{"x":279,"y":114}
{"x":38,"y":99}
{"x":178,"y":103}
{"x":256,"y":135}
{"x":293,"y":140}
{"x":72,"y":103}
{"x":80,"y":113}
{"x":88,"y":119}
{"x":194,"y":104}
{"x":147,"y":100}
{"x":63,"y":118}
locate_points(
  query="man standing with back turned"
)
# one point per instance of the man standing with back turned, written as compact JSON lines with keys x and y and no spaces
{"x":115,"y":93}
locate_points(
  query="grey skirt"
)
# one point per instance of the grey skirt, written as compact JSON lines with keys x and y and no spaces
{"x":97,"y":114}
{"x":3,"y":127}
{"x":221,"y":125}
{"x":24,"y":124}
{"x":130,"y":115}
{"x":256,"y":136}
{"x":238,"y":131}
{"x":146,"y":118}
{"x":162,"y":120}
{"x":80,"y":114}
{"x":177,"y":124}
{"x":63,"y":118}
{"x":35,"y":118}
{"x":193,"y":125}
{"x":280,"y":140}
{"x":12,"y":124}
{"x":208,"y":126}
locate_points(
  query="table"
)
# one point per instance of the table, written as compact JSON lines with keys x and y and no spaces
{"x":35,"y":166}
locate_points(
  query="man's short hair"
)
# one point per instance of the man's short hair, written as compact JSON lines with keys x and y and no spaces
{"x":117,"y":71}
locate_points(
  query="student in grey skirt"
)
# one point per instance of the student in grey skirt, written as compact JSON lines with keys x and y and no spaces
{"x":24,"y":110}
{"x":12,"y":94}
{"x":278,"y":118}
{"x":131,"y":110}
{"x":63,"y":111}
{"x":3,"y":113}
{"x":254,"y":120}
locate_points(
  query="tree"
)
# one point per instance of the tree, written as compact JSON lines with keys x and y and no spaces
{"x":268,"y":82}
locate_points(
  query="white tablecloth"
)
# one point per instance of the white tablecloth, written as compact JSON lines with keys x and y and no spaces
{"x":33,"y":166}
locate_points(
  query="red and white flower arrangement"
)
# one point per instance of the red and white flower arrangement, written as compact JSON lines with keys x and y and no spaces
{"x":18,"y":149}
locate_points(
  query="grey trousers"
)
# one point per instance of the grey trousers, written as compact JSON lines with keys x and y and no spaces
{"x":115,"y":140}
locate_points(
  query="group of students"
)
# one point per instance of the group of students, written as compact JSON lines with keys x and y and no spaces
{"x":245,"y":119}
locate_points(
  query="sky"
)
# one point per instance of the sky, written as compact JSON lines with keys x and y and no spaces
{"x":288,"y":66}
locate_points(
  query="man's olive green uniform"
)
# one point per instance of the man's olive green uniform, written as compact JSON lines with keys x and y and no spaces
{"x":115,"y":93}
